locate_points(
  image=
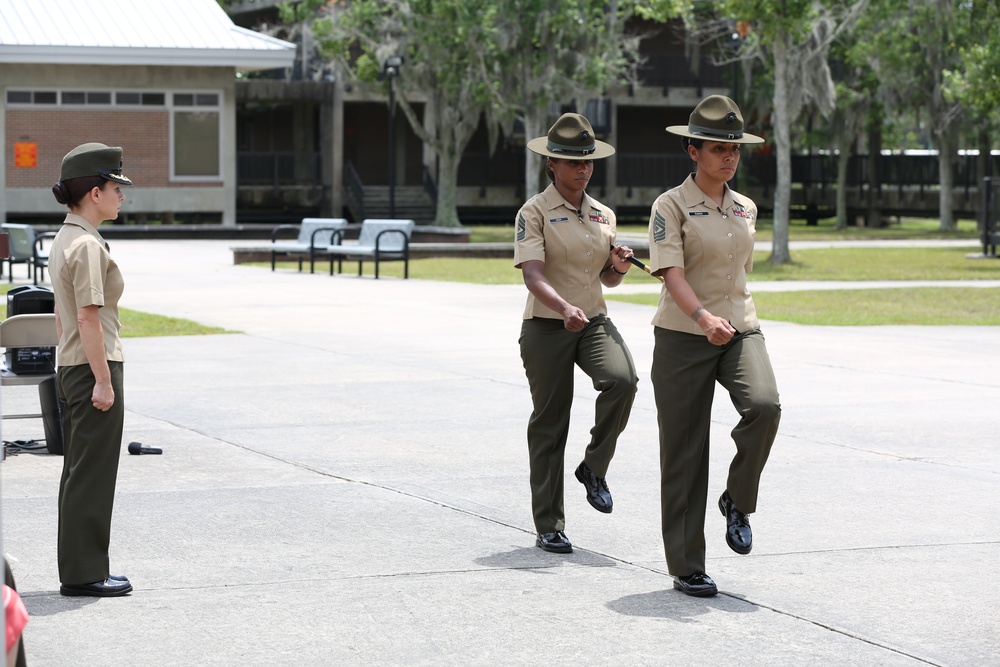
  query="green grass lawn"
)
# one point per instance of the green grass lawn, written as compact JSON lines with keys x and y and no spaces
{"x":928,"y":306}
{"x":877,"y":264}
{"x":965,"y":306}
{"x":906,"y":228}
{"x":816,"y":264}
{"x":137,"y":324}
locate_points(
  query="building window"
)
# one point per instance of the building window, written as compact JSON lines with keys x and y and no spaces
{"x":196,"y":130}
{"x":84,"y":97}
{"x":140,"y":99}
{"x":195,"y":121}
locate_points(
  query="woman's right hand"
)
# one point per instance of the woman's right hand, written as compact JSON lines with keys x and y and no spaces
{"x":103,"y":397}
{"x":574,"y":319}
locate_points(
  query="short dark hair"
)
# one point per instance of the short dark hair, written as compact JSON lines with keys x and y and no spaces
{"x":72,"y":191}
{"x":691,"y":141}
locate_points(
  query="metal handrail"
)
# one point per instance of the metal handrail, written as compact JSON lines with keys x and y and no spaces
{"x":990,"y":215}
{"x":430,"y":187}
{"x":355,"y":189}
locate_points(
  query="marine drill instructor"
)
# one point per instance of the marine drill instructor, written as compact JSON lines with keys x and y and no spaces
{"x":565,"y":247}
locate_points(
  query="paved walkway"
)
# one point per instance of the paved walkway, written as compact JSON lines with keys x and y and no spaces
{"x":344,"y":482}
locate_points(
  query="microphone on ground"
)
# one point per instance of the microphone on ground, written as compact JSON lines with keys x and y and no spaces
{"x":139,"y":448}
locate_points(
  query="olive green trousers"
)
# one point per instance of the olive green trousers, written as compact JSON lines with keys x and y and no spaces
{"x":92,"y":442}
{"x":685,"y":370}
{"x":550,"y":354}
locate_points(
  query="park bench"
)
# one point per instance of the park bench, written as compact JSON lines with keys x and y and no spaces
{"x":314,"y":234}
{"x":379,"y":240}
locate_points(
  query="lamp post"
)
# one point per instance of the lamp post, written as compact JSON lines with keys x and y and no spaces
{"x":391,"y":70}
{"x":738,"y":39}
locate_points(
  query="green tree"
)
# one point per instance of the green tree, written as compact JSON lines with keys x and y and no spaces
{"x":566,"y":50}
{"x":975,"y":83}
{"x":856,"y":107}
{"x":478,"y":61}
{"x":910,"y":50}
{"x":792,"y":38}
{"x":452,"y":51}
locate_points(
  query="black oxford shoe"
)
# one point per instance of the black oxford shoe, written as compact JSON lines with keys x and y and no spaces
{"x":108,"y":588}
{"x":738,"y":534}
{"x":698,"y":585}
{"x":598,"y":494}
{"x":556,"y":542}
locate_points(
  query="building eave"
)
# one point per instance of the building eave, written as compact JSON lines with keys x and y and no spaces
{"x":240,"y":59}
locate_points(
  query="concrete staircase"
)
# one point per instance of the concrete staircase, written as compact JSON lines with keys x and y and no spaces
{"x":411,"y":203}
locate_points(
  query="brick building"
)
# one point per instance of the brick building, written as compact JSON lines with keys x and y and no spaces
{"x":157,"y":78}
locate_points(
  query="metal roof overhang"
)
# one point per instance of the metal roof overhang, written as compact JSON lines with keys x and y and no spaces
{"x":240,"y":59}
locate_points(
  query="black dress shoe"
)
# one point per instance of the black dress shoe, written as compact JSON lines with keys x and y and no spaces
{"x":598,"y":494}
{"x":556,"y":542}
{"x":739,"y":537}
{"x":118,"y":577}
{"x":108,"y":588}
{"x":698,"y":585}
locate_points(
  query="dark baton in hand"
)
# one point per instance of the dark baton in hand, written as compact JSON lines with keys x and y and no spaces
{"x":642,"y":266}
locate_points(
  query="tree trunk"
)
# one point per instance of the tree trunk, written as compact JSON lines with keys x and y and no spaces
{"x":447,"y":211}
{"x":533,"y":119}
{"x":983,"y":160}
{"x":455,"y":128}
{"x":946,"y":177}
{"x":783,"y":147}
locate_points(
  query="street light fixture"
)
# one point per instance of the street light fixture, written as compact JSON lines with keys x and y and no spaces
{"x":391,"y":70}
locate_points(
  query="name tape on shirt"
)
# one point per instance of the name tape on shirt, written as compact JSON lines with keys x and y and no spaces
{"x":558,"y":219}
{"x":697,"y":212}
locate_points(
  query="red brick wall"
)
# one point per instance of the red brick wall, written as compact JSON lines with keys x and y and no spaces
{"x":143,"y":135}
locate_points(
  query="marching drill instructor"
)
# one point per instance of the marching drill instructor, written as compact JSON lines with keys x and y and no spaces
{"x":565,"y":247}
{"x":701,"y":238}
{"x":87,"y":286}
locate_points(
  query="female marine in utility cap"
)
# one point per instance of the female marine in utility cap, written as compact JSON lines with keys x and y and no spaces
{"x":87,"y":286}
{"x":565,"y":247}
{"x":706,"y":331}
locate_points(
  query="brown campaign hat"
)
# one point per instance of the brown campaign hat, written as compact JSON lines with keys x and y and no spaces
{"x":716,"y":118}
{"x":94,"y":159}
{"x":571,"y":138}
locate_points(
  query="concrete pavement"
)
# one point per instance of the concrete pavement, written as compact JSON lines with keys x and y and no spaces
{"x":344,"y":482}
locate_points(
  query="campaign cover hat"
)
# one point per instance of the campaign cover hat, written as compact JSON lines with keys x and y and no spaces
{"x":94,"y":159}
{"x":571,"y":138}
{"x":716,"y":118}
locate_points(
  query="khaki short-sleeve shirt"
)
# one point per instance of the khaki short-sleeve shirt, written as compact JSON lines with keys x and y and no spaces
{"x":84,"y":274}
{"x":574,"y":245}
{"x":713,"y":245}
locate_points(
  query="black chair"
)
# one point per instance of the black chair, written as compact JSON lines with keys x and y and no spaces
{"x":40,"y":256}
{"x":22,"y":247}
